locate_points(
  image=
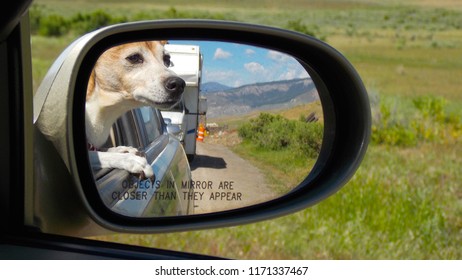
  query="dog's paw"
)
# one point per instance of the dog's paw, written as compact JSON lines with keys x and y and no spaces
{"x":127,"y":161}
{"x":138,"y":165}
{"x":124,"y":149}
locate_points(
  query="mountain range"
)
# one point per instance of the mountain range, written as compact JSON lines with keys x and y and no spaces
{"x":213,"y":87}
{"x":224,"y":101}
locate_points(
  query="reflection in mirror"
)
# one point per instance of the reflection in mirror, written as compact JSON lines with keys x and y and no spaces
{"x":192,"y":127}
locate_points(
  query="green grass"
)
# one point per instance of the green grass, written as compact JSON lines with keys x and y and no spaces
{"x":404,"y":202}
{"x":283,"y":169}
{"x":389,"y":210}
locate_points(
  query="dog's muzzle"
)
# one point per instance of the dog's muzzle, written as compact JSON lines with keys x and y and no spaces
{"x":175,"y":86}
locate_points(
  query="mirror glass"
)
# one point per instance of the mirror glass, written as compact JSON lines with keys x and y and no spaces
{"x":192,"y":127}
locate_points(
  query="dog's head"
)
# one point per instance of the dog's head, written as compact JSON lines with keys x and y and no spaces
{"x":137,"y":73}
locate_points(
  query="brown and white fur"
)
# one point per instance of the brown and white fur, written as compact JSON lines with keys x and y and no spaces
{"x":126,"y":77}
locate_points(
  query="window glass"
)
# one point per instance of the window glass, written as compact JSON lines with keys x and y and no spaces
{"x":151,"y":123}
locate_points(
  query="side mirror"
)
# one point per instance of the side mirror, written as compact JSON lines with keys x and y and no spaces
{"x":111,"y":194}
{"x":173,"y":129}
{"x":167,"y":121}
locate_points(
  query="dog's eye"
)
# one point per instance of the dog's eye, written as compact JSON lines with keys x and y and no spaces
{"x":135,"y":58}
{"x":167,"y":61}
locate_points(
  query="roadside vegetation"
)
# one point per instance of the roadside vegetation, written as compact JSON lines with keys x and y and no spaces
{"x":274,"y":133}
{"x":429,"y":122}
{"x":405,"y":201}
{"x":284,"y":149}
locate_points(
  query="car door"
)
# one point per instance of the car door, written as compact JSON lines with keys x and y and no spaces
{"x":164,"y":195}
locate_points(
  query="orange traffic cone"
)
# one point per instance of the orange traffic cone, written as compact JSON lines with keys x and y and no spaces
{"x":200,"y":133}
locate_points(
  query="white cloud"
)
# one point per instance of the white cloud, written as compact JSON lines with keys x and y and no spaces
{"x":226,"y":77}
{"x":254,"y":67}
{"x":219,"y":75}
{"x":293,"y":72}
{"x":249,"y":52}
{"x":288,"y":75}
{"x":221,"y":54}
{"x":278,"y":56}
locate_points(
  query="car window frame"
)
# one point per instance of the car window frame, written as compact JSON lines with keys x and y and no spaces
{"x":141,"y":123}
{"x":129,"y":130}
{"x":151,"y":149}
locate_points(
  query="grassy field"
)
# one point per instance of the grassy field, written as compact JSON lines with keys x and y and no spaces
{"x":405,"y":202}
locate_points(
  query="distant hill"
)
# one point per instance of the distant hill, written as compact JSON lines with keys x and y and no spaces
{"x":213,"y":87}
{"x":261,"y":96}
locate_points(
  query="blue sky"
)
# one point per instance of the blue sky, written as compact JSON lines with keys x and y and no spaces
{"x":234,"y":64}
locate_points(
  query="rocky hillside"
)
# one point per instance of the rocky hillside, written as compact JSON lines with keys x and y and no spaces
{"x":261,"y":96}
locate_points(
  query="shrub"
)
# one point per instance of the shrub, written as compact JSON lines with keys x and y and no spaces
{"x":83,"y":23}
{"x":35,"y":15}
{"x":52,"y":25}
{"x":435,"y":124}
{"x":394,"y":135}
{"x":312,"y":30}
{"x":267,"y":131}
{"x":308,"y":138}
{"x":274,"y":132}
{"x":388,"y":130}
{"x":430,"y":123}
{"x":56,"y":25}
{"x":46,"y":24}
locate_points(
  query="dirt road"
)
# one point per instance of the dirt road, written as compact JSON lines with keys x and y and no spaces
{"x":222,"y":180}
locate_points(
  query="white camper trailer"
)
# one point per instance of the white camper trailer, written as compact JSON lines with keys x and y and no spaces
{"x":187,"y":63}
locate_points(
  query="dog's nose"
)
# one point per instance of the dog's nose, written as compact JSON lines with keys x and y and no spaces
{"x":175,"y":85}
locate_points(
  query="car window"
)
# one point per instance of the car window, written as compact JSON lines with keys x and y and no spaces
{"x":126,"y":131}
{"x":152,"y":125}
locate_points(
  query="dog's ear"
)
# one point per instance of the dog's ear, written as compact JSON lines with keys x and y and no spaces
{"x":164,"y":42}
{"x":91,"y":84}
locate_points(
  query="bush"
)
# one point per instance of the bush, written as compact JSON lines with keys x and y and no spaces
{"x":274,"y":132}
{"x":267,"y":131}
{"x":35,"y":15}
{"x":431,"y":107}
{"x":430,"y":123}
{"x":394,"y":135}
{"x":83,"y":23}
{"x":388,"y":130}
{"x":46,"y":24}
{"x":53,"y":25}
{"x":308,"y":138}
{"x":312,"y":30}
{"x":56,"y":25}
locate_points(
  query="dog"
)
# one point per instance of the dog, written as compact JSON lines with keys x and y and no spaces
{"x":126,"y":77}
